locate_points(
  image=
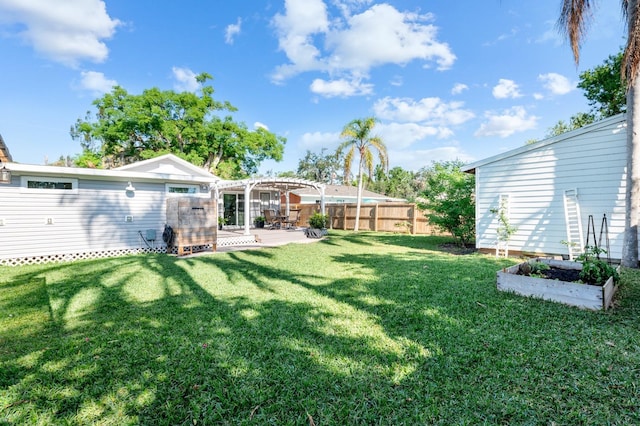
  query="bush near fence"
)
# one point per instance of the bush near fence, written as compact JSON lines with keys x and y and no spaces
{"x":385,"y":217}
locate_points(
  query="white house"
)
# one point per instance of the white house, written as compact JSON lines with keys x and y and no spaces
{"x":549,"y":190}
{"x":61,"y":213}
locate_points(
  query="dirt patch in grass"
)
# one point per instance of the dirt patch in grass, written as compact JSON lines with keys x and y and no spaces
{"x":458,"y":249}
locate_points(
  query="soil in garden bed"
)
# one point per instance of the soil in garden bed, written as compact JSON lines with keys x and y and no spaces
{"x":553,"y":273}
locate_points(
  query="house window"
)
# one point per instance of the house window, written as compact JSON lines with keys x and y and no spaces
{"x":49,"y":185}
{"x":176,"y":189}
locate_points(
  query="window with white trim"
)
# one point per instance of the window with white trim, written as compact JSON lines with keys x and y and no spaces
{"x":50,"y":185}
{"x":182,"y":190}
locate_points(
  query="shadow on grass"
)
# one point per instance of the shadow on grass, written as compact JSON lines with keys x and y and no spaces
{"x":351,"y":330}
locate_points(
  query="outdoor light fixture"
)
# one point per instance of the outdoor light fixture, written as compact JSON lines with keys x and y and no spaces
{"x":130,"y":187}
{"x":5,"y":174}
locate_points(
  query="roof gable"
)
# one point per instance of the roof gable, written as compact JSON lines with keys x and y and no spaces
{"x":166,"y":164}
{"x":619,"y":119}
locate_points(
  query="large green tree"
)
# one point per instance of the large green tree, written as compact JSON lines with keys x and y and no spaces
{"x":358,"y":139}
{"x":573,"y":20}
{"x":128,"y":128}
{"x":320,"y":167}
{"x":398,"y":182}
{"x":604,"y":88}
{"x":448,"y":200}
{"x":575,"y":122}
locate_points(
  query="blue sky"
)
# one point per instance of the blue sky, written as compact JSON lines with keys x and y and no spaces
{"x":447,"y":80}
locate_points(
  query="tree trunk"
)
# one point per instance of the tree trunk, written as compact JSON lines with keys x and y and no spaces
{"x":632,"y":196}
{"x":359,"y":198}
{"x":632,"y":193}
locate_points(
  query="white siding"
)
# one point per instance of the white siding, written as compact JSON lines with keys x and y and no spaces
{"x":93,"y":219}
{"x":535,"y":179}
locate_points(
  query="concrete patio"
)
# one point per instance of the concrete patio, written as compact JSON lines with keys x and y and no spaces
{"x":234,"y":239}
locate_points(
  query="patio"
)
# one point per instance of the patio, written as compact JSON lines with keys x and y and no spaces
{"x":234,"y":239}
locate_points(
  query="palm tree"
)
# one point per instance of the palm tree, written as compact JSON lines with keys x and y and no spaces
{"x":573,"y":20}
{"x":358,"y":138}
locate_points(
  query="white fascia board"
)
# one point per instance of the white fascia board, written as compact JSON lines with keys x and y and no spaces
{"x":19,"y":169}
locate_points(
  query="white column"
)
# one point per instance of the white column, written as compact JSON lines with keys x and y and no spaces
{"x":322,"y":200}
{"x":247,"y":210}
{"x":286,"y":196}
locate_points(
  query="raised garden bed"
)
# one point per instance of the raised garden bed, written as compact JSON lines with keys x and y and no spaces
{"x":584,"y":296}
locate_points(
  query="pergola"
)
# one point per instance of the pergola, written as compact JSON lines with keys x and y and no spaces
{"x":285,"y":185}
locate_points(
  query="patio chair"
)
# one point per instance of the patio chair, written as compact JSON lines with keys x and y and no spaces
{"x":292,"y":220}
{"x":271,"y":219}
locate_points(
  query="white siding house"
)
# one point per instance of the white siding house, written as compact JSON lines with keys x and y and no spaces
{"x":549,"y":189}
{"x":61,"y":213}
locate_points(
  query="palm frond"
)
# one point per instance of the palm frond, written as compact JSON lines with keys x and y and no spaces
{"x":574,"y":20}
{"x":348,"y":159}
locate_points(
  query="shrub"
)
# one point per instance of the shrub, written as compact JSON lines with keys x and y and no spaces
{"x":318,"y":220}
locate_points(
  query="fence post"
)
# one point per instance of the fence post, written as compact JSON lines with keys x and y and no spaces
{"x":414,"y":221}
{"x":375,"y":218}
{"x":344,"y":214}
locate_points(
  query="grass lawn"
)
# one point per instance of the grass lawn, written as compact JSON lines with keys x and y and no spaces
{"x":357,"y":329}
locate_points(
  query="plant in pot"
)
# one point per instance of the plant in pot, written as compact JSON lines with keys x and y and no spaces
{"x":221,"y":221}
{"x":317,"y":225}
{"x":259,"y":221}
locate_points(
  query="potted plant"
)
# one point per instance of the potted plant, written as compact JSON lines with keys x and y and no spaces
{"x":317,"y":225}
{"x":221,"y":221}
{"x":259,"y":221}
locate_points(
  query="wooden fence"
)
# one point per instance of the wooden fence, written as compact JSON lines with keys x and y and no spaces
{"x":386,"y":217}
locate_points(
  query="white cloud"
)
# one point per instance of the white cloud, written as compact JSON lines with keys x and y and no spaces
{"x":232,"y":30}
{"x":347,"y":7}
{"x":459,"y":88}
{"x":429,"y":110}
{"x":538,"y":96}
{"x":506,"y":89}
{"x":403,"y":135}
{"x":317,"y":140}
{"x":507,"y":123}
{"x":416,"y":159}
{"x":340,"y":88}
{"x":259,"y":125}
{"x":354,"y":43}
{"x":96,"y":82}
{"x":557,"y":84}
{"x":67,"y":32}
{"x":302,"y":19}
{"x":185,"y":80}
{"x":383,"y":35}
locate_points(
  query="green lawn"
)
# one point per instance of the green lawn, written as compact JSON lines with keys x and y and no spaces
{"x":356,"y":329}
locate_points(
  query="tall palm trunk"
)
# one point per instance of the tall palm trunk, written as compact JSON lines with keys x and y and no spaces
{"x":632,"y":195}
{"x":359,"y":198}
